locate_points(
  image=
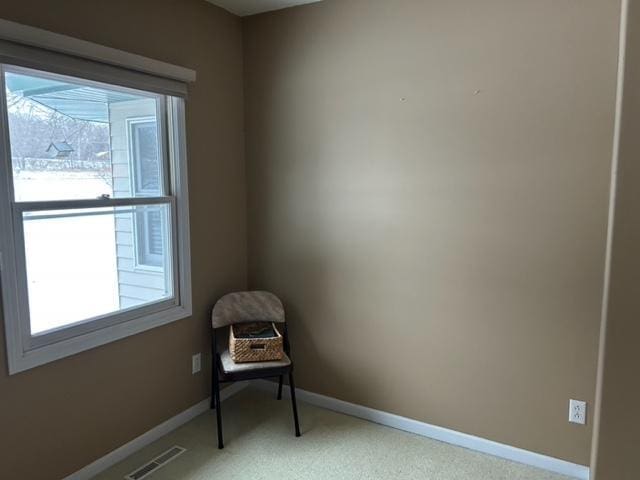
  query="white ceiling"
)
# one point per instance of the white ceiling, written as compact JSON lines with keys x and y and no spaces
{"x":249,"y":7}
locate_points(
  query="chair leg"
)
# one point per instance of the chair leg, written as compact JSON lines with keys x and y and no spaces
{"x":216,"y":395}
{"x":293,"y":404}
{"x":213,"y":383}
{"x":280,"y":388}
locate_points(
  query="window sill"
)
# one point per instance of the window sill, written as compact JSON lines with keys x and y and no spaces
{"x":20,"y":361}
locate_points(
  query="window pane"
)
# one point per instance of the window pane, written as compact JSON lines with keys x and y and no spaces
{"x":81,"y":264}
{"x":69,"y":138}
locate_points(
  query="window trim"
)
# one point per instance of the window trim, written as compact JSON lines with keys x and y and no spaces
{"x":25,"y":352}
{"x":65,"y":45}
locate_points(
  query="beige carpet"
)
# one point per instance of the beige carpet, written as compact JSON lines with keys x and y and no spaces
{"x":260,"y":445}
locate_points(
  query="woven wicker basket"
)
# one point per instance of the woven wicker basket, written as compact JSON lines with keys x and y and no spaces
{"x":244,"y":350}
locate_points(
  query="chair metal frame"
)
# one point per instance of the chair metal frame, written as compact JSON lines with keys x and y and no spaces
{"x":219,"y":376}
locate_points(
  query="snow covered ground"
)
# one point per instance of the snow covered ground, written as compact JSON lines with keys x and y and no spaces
{"x":71,"y":261}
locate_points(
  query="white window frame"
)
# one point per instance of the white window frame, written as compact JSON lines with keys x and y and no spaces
{"x":25,"y":351}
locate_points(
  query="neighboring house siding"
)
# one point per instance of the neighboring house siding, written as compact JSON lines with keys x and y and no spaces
{"x":136,"y":284}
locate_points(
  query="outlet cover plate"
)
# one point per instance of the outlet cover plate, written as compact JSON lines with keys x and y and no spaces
{"x":196,"y":363}
{"x":578,"y":412}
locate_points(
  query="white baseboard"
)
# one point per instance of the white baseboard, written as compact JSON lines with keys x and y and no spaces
{"x":438,"y":433}
{"x":151,"y":436}
{"x":377,"y":416}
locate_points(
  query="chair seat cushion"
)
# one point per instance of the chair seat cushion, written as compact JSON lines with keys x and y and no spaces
{"x":229,"y":366}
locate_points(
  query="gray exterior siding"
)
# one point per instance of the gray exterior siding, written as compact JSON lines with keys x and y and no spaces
{"x":137,"y":284}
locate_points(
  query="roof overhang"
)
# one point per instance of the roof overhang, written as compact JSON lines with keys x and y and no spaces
{"x":77,"y":101}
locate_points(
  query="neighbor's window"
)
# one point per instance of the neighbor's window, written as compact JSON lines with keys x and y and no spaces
{"x":93,"y":202}
{"x":150,"y":238}
{"x":143,"y":147}
{"x":145,"y":175}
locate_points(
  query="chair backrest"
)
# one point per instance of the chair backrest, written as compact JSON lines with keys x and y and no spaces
{"x":244,"y":307}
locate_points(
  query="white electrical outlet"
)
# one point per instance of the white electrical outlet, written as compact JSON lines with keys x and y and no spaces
{"x":196,"y":363}
{"x":578,"y":412}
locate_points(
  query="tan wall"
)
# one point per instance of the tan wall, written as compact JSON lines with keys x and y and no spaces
{"x":57,"y":418}
{"x":428,"y":192}
{"x":619,"y":442}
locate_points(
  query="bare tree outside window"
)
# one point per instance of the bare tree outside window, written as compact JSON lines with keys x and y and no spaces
{"x":36,"y":130}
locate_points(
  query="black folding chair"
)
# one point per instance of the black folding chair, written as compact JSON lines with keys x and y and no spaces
{"x":244,"y":307}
